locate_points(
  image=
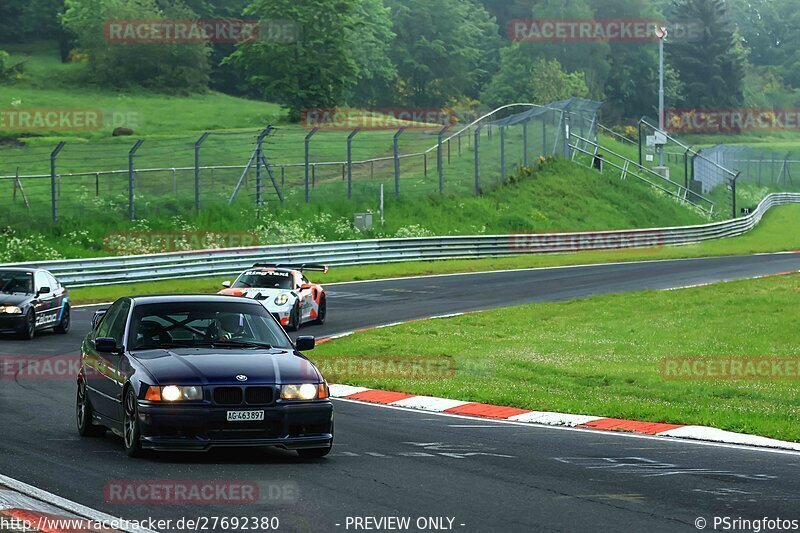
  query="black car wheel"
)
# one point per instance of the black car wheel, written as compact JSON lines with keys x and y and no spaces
{"x":130,"y":426}
{"x":63,"y":326}
{"x":84,"y":414}
{"x":29,"y":328}
{"x":322,"y":310}
{"x":294,"y":318}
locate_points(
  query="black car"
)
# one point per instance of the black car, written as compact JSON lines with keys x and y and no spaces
{"x":196,"y":372}
{"x":32,"y":300}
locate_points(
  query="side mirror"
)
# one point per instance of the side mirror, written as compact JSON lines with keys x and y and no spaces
{"x":304,"y":344}
{"x":97,"y":316}
{"x":226,"y":284}
{"x":305,"y":286}
{"x":106,"y":345}
{"x":44,"y":290}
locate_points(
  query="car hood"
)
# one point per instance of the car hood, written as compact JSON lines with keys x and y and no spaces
{"x":209,"y":366}
{"x":265,"y":293}
{"x":15,"y":298}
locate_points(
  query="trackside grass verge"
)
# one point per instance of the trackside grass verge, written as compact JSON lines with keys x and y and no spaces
{"x":602,"y":355}
{"x":778,"y":231}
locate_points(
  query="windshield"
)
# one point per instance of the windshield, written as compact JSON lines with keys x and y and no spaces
{"x":14,"y":281}
{"x":223,"y":324}
{"x":257,"y":279}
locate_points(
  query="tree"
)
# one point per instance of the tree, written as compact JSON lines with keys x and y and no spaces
{"x":173,"y":67}
{"x":525,"y":79}
{"x":712,"y":67}
{"x":317,"y":69}
{"x":444,"y":49}
{"x":371,"y":41}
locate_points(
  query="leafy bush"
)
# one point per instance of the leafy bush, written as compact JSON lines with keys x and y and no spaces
{"x":172,"y":67}
{"x":7,"y":70}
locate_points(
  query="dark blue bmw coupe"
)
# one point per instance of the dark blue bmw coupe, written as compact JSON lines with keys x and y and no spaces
{"x":195,"y":372}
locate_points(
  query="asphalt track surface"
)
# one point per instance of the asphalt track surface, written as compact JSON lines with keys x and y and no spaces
{"x":485,"y":476}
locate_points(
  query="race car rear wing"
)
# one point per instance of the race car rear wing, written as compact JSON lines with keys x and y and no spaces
{"x":301,"y":267}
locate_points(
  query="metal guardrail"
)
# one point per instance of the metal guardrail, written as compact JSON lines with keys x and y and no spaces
{"x":208,"y":263}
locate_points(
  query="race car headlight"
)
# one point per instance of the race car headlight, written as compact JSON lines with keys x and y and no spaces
{"x":306,"y":391}
{"x":173,"y":393}
{"x":10,"y":310}
{"x":281,"y":299}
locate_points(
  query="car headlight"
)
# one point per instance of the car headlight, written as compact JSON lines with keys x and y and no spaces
{"x":305,"y":391}
{"x":10,"y":310}
{"x":174,"y":393}
{"x":281,"y":299}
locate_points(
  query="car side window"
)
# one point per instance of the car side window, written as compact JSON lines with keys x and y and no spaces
{"x":105,"y":323}
{"x":117,"y":329}
{"x":54,"y":284}
{"x":40,"y":280}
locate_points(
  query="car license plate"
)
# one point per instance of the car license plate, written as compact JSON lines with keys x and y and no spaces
{"x":245,"y":416}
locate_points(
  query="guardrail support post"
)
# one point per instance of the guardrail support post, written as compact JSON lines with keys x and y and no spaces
{"x":350,"y":161}
{"x":53,"y":193}
{"x":131,"y":183}
{"x":197,"y":145}
{"x":396,"y":154}
{"x":308,"y":162}
{"x":439,"y":158}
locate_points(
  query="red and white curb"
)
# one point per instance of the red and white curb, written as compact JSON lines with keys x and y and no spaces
{"x":513,"y":414}
{"x":24,"y":508}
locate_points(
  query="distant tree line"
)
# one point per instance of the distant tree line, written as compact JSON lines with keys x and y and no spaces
{"x":434,"y":53}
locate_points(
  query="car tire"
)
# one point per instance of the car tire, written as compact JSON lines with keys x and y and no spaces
{"x":322,"y":310}
{"x":29,"y":330}
{"x":294,"y":318}
{"x":84,"y":414}
{"x":131,"y":435}
{"x":63,"y":325}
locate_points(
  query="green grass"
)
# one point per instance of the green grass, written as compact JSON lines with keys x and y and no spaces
{"x":778,"y":231}
{"x":601,"y":356}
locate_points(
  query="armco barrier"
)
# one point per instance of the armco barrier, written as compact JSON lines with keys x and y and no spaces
{"x":207,"y":263}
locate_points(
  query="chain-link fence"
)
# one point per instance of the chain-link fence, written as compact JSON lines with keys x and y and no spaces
{"x":126,"y":178}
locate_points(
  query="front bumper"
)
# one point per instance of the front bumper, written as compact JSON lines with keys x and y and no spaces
{"x":12,"y":323}
{"x":201,"y":427}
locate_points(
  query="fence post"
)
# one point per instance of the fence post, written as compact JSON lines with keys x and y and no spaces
{"x":259,"y":160}
{"x":503,"y":154}
{"x":477,"y":160}
{"x":733,"y":192}
{"x":199,"y":142}
{"x":566,"y":136}
{"x":131,"y":185}
{"x":544,"y":138}
{"x":640,"y":142}
{"x":53,"y":193}
{"x":525,"y":143}
{"x":350,"y":161}
{"x":439,"y":158}
{"x":396,"y":153}
{"x":308,"y":161}
{"x":686,"y":168}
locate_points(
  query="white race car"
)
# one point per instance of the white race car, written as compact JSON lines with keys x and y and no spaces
{"x":285,"y":291}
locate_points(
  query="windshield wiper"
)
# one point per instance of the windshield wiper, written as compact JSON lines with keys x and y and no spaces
{"x":235,"y":344}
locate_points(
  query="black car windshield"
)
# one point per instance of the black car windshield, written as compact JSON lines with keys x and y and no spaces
{"x":258,"y":279}
{"x":16,"y":281}
{"x":211,"y":323}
